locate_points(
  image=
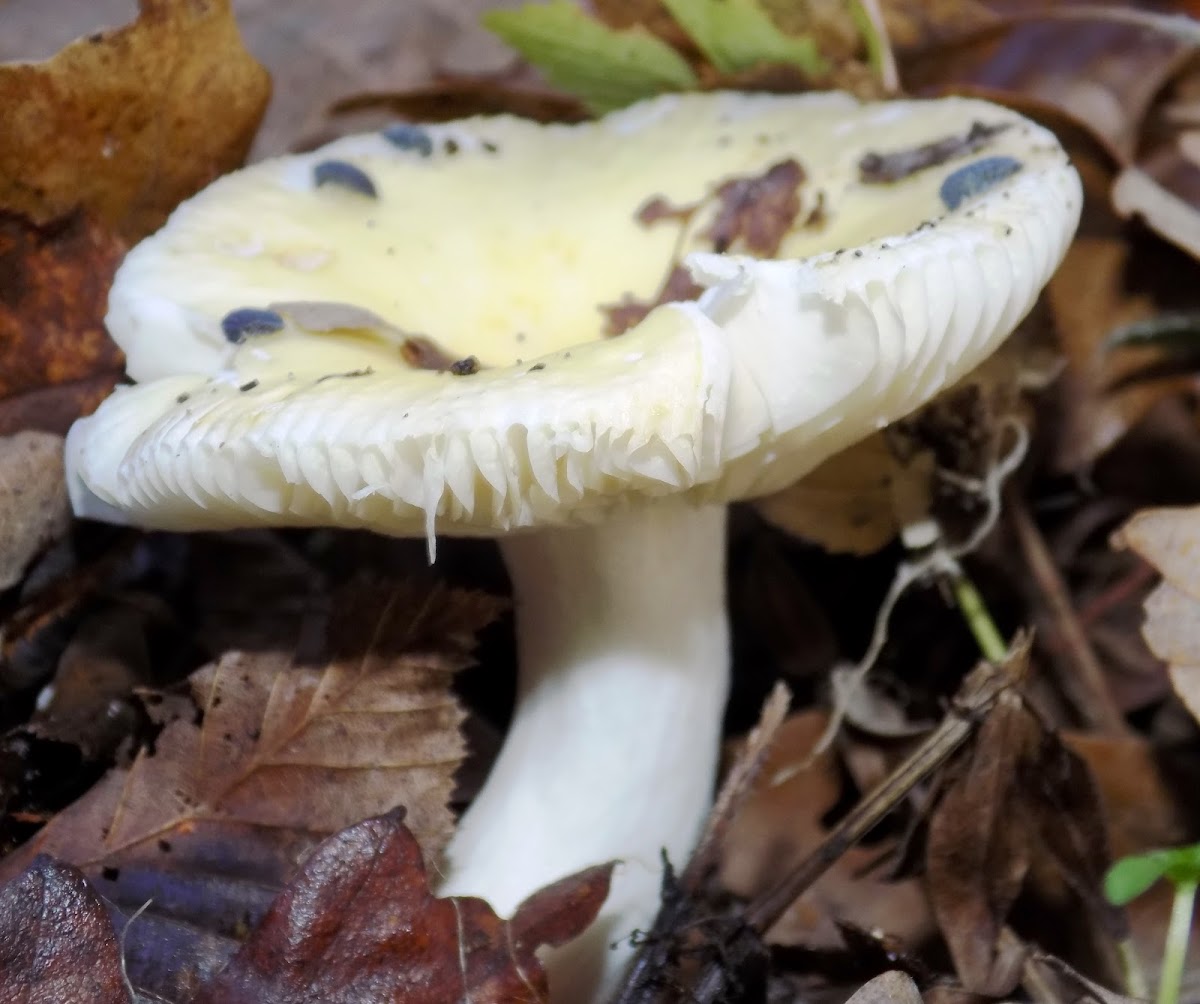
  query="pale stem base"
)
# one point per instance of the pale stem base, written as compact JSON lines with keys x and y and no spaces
{"x":623,"y":643}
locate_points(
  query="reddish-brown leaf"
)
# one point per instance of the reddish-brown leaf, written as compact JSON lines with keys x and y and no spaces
{"x":56,"y":360}
{"x":359,"y":923}
{"x":57,"y":943}
{"x":127,"y":123}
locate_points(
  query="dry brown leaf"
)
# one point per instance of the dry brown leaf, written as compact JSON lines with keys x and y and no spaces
{"x":1170,"y":540}
{"x":33,"y":500}
{"x":1092,"y":294}
{"x":849,"y":503}
{"x":921,"y":24}
{"x":1138,"y":194}
{"x":296,"y":747}
{"x":320,"y":53}
{"x":128,"y":122}
{"x":933,"y":463}
{"x":1101,"y":71}
{"x":780,"y":824}
{"x":56,"y":360}
{"x":892,"y":987}
{"x":1021,"y":814}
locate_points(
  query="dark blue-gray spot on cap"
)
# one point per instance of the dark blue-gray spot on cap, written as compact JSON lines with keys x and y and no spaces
{"x":404,"y":136}
{"x":344,"y":175}
{"x":240,"y":324}
{"x":976,"y":178}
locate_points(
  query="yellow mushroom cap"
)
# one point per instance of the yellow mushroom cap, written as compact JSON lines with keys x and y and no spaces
{"x":845,"y":262}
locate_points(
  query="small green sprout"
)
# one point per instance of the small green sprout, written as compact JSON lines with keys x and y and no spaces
{"x":1133,"y":875}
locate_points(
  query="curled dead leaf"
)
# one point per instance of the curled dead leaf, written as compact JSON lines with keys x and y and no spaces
{"x":1021,"y":813}
{"x":127,"y":123}
{"x":1169,"y":539}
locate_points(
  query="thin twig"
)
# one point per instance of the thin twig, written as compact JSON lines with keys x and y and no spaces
{"x":737,"y":786}
{"x":1084,"y":684}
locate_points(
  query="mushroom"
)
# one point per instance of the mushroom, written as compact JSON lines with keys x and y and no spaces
{"x":686,"y":303}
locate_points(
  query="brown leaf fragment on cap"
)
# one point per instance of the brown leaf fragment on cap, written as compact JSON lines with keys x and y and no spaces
{"x":359,"y":923}
{"x":880,"y":168}
{"x":425,"y":354}
{"x":758,"y":210}
{"x":659,"y":208}
{"x":56,"y":359}
{"x":57,"y":941}
{"x":129,"y":122}
{"x":620,"y":317}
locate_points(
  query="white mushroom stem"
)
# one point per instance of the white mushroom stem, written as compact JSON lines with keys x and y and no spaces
{"x":623,"y":642}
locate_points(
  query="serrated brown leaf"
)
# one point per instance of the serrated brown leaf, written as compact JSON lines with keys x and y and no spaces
{"x":57,"y":942}
{"x":126,"y":123}
{"x":1023,"y":809}
{"x":33,"y":500}
{"x":56,"y":360}
{"x":296,"y":747}
{"x":358,"y":923}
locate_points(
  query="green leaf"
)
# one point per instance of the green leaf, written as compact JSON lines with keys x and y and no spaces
{"x":737,"y":35}
{"x":1132,"y":876}
{"x":606,"y":68}
{"x":875,"y":44}
{"x":1183,"y":864}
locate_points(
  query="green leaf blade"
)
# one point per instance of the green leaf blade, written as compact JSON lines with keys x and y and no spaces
{"x":737,"y":35}
{"x":606,"y":68}
{"x":1131,"y":876}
